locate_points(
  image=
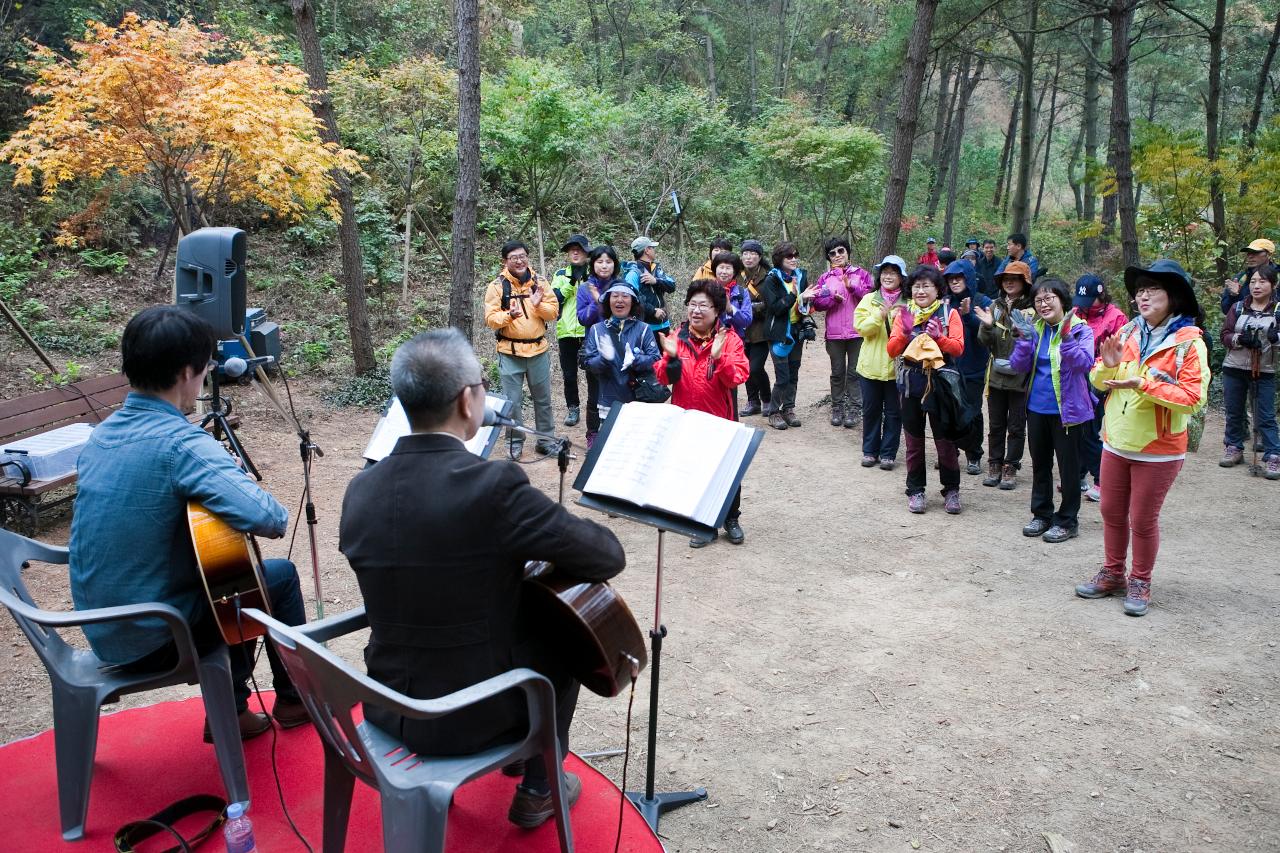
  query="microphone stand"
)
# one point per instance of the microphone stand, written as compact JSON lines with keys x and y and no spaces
{"x":308,"y":450}
{"x":562,"y":443}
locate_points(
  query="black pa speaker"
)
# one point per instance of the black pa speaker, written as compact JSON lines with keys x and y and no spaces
{"x":210,"y":278}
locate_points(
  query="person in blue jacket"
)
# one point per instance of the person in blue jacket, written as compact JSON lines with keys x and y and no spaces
{"x":647,"y":278}
{"x":964,"y":296}
{"x":620,"y":346}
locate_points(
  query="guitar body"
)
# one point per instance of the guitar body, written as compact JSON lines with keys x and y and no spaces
{"x":231,"y":569}
{"x":589,"y":623}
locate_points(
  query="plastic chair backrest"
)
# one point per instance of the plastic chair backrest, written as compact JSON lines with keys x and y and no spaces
{"x":15,"y":552}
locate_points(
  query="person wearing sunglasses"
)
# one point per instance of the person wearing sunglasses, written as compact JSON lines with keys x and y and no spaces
{"x":839,"y":291}
{"x":1058,"y":355}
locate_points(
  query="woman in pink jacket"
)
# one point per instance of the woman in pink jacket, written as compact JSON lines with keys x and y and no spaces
{"x":838,"y":293}
{"x":1093,"y":304}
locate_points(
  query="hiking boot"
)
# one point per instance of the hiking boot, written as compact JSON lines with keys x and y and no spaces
{"x":1008,"y":476}
{"x":702,"y":540}
{"x":974,"y":467}
{"x":789,"y":415}
{"x":733,"y":532}
{"x":1036,"y":527}
{"x":1101,"y":585}
{"x":868,"y":461}
{"x":573,"y":416}
{"x":515,"y":450}
{"x":529,"y":810}
{"x":1137,"y":597}
{"x":837,"y":414}
{"x":916,"y":502}
{"x":1272,"y":468}
{"x":887,"y":464}
{"x":1094,"y":493}
{"x":1231,"y":457}
{"x":1058,"y":533}
{"x":752,"y":408}
{"x":777,"y":421}
{"x":852,"y":415}
{"x":951,"y":502}
{"x":547,"y":448}
{"x":252,"y":724}
{"x":993,"y":474}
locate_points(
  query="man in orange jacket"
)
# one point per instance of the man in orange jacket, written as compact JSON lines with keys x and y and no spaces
{"x":518,"y":306}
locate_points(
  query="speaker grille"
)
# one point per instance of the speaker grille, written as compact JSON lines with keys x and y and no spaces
{"x":229,"y":268}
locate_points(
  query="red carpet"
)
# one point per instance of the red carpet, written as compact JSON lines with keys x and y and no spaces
{"x":150,"y":757}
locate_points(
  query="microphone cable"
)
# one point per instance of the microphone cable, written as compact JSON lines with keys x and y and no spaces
{"x":626,"y":754}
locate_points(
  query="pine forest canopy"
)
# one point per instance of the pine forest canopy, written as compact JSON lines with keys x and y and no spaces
{"x":1107,"y":129}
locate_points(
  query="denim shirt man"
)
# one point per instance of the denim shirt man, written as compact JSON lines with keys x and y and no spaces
{"x":129,"y":535}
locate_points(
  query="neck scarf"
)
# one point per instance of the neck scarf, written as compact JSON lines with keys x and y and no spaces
{"x":891,"y":297}
{"x":919,"y":315}
{"x":1150,"y":337}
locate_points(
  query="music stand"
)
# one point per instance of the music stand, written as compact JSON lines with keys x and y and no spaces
{"x":650,"y":803}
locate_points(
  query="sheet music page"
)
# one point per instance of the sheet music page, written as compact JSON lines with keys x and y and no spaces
{"x":718,"y":492}
{"x":690,"y":462}
{"x":632,"y":452}
{"x":395,"y":423}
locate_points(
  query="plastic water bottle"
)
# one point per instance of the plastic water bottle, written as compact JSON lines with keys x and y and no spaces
{"x":238,"y":831}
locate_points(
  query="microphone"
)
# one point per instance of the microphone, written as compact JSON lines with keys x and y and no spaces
{"x":235,"y":367}
{"x":493,"y":418}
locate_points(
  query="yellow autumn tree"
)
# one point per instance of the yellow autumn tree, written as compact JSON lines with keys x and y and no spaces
{"x":205,"y":121}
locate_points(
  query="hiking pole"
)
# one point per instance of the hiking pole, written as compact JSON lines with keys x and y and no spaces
{"x":1254,"y":468}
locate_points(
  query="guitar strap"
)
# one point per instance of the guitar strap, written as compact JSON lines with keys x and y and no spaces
{"x":134,"y":833}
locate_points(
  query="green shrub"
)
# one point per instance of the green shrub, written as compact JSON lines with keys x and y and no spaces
{"x":369,"y":391}
{"x":103,"y":261}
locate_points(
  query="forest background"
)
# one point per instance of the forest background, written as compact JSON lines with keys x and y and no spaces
{"x":1109,"y":130}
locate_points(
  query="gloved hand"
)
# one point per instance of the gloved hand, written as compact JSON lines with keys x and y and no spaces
{"x":934,"y":328}
{"x":606,"y":347}
{"x":629,"y":357}
{"x":1273,"y":334}
{"x":1248,"y":338}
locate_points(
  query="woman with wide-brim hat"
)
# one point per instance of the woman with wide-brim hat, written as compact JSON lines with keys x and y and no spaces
{"x":1157,"y":372}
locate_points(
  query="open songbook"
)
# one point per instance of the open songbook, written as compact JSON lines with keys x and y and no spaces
{"x":678,"y":461}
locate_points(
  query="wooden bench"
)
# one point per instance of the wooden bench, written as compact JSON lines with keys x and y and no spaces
{"x":89,"y":401}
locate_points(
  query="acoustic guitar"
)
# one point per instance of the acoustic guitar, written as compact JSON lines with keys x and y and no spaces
{"x":231,"y":571}
{"x":590,"y":625}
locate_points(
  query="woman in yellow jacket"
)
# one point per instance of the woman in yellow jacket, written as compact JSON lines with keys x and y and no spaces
{"x":1157,"y":370}
{"x":881,"y":417}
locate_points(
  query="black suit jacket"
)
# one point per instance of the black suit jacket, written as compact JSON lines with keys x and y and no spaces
{"x":438,"y":539}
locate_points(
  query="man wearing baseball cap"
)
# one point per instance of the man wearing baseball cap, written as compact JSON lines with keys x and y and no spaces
{"x":930,"y":256}
{"x":645,"y":274}
{"x":1256,"y":254}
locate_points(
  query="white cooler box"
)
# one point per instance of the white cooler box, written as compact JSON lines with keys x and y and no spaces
{"x":49,"y":455}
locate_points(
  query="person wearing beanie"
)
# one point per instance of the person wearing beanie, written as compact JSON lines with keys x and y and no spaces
{"x":569,"y":332}
{"x":881,"y":416}
{"x":840,"y":289}
{"x":1157,"y":371}
{"x":620,"y":346}
{"x":755,"y":266}
{"x":1093,"y":304}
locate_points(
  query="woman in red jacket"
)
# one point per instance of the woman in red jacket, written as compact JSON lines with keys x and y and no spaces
{"x":926,"y":314}
{"x":704,"y":363}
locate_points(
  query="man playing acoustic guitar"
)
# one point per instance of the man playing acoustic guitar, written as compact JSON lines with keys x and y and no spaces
{"x":130,"y":541}
{"x":438,"y":539}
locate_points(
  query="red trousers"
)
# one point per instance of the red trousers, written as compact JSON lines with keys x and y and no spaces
{"x":1132,"y":494}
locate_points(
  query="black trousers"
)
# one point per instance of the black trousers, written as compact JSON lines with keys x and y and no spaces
{"x":758,"y":381}
{"x":1049,"y":440}
{"x":973,"y":394}
{"x":786,"y":376}
{"x":1007,"y":412}
{"x":569,"y":367}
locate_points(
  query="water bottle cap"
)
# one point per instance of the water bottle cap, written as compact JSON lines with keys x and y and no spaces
{"x":235,"y":810}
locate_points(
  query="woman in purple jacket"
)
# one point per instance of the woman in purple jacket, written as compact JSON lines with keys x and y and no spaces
{"x":839,"y":291}
{"x":1058,"y":354}
{"x":738,"y":314}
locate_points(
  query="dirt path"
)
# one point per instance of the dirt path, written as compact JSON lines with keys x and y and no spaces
{"x":855,"y":678}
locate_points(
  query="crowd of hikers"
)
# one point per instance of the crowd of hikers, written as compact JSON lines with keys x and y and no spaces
{"x":990,"y":351}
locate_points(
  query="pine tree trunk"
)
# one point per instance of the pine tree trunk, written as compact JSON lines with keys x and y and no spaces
{"x":1211,"y":119}
{"x":1021,"y":213}
{"x":942,"y":165}
{"x":348,"y":231}
{"x":462,"y":250}
{"x":1006,"y":152}
{"x":905,"y":130}
{"x":1072,"y":180}
{"x":712,"y":95}
{"x":1120,"y":16}
{"x":1048,"y":137}
{"x":953,"y":152}
{"x":1092,"y":78}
